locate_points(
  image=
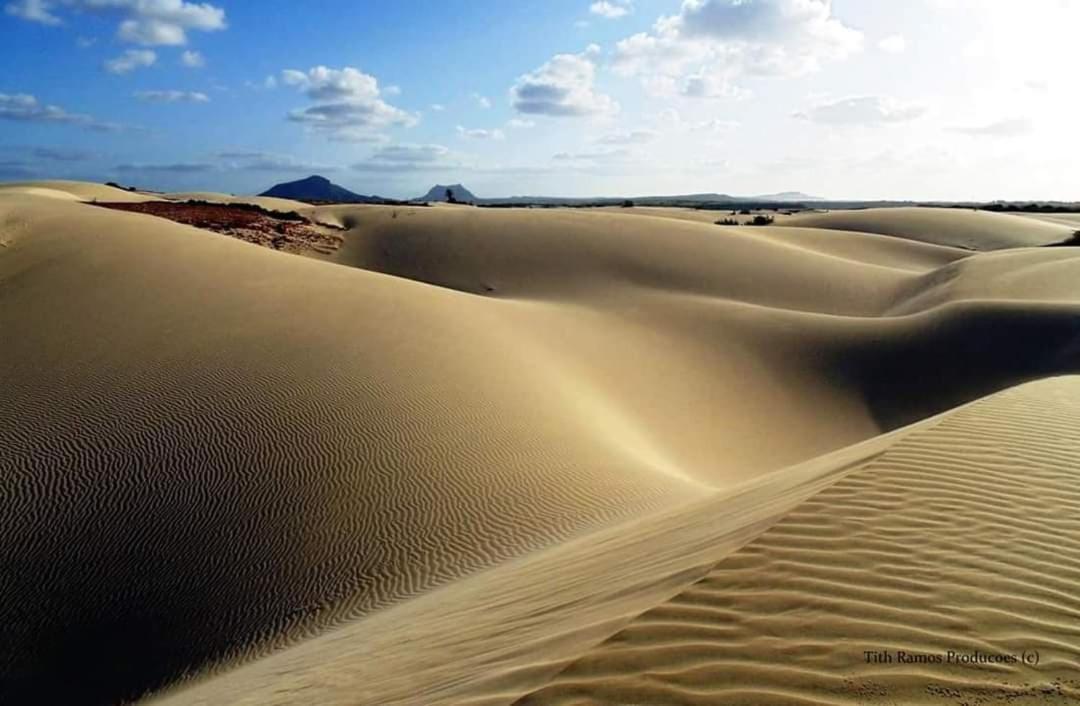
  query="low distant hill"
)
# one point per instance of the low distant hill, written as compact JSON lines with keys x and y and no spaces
{"x":438,"y":193}
{"x":319,"y":189}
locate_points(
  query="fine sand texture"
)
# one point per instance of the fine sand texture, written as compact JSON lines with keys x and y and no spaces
{"x":214,"y":452}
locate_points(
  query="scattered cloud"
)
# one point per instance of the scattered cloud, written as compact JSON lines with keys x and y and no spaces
{"x":269,"y":162}
{"x":22,"y":107}
{"x":146,"y":22}
{"x":348,"y":104}
{"x":178,"y":168}
{"x":895,"y":44}
{"x":438,"y":107}
{"x":33,"y":11}
{"x":130,"y":60}
{"x":711,"y":44}
{"x":480,"y":133}
{"x":85,"y":42}
{"x":633,"y":137}
{"x":562,"y":87}
{"x":172,"y":97}
{"x":409,"y":158}
{"x":192,"y":59}
{"x":62,"y":154}
{"x":519,"y":124}
{"x":611,"y":9}
{"x":862,"y":110}
{"x":1014,"y":127}
{"x":600,"y":156}
{"x":482,"y":101}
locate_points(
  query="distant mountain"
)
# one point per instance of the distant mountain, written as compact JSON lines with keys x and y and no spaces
{"x":317,"y":188}
{"x":438,"y":193}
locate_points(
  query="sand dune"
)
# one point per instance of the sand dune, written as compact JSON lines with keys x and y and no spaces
{"x":74,"y":191}
{"x":218,"y":450}
{"x":951,"y":559}
{"x":962,"y":228}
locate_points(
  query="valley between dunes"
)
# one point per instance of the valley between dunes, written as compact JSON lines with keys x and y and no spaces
{"x":500,"y":456}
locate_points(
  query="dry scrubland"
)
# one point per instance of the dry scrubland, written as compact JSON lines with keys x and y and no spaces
{"x":547,"y":456}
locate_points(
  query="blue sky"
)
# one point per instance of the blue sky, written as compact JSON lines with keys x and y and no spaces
{"x":928,"y":99}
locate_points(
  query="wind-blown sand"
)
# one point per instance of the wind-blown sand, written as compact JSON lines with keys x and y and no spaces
{"x":213,"y":451}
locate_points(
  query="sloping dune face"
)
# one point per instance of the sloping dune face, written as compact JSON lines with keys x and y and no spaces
{"x":962,"y":228}
{"x":212,"y":450}
{"x":942,"y":572}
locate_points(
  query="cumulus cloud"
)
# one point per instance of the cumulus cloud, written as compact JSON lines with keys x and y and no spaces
{"x":895,"y":44}
{"x":147,"y":22}
{"x":633,"y":137}
{"x":1014,"y":127}
{"x":172,"y":97}
{"x":611,"y":10}
{"x":130,"y":60}
{"x":862,"y":110}
{"x":480,"y":133}
{"x":348,"y":103}
{"x":482,"y":101}
{"x":562,"y":87}
{"x":33,"y":11}
{"x":23,"y":107}
{"x":192,"y":59}
{"x":709,"y":44}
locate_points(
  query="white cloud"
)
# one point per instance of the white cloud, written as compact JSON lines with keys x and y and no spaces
{"x":438,"y":107}
{"x":172,"y":97}
{"x":192,"y":59}
{"x":348,"y":103}
{"x":1014,"y":127}
{"x":610,"y":10}
{"x":33,"y":11}
{"x":130,"y":60}
{"x":85,"y":42}
{"x":480,"y":133}
{"x":23,"y":107}
{"x":862,"y":110}
{"x":710,"y":44}
{"x":482,"y":101}
{"x":147,"y":22}
{"x":895,"y":44}
{"x":602,"y":156}
{"x":518,"y":123}
{"x":633,"y":137}
{"x":562,"y":87}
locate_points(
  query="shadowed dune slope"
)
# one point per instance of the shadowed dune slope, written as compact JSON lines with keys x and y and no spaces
{"x":962,"y":538}
{"x":212,"y":449}
{"x":962,"y":228}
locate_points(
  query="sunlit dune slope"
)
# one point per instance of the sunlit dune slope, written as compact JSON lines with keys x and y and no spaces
{"x":954,"y":554}
{"x":956,"y":227}
{"x":74,"y":191}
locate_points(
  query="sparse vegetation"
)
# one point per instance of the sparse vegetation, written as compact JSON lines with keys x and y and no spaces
{"x":728,"y":221}
{"x":627,"y":204}
{"x":761,"y":220}
{"x":1072,"y":241}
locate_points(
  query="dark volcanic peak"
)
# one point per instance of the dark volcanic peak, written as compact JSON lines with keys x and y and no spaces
{"x":318,"y":188}
{"x":438,"y":193}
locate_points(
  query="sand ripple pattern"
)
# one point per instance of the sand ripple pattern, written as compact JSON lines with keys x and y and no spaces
{"x":964,"y":537}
